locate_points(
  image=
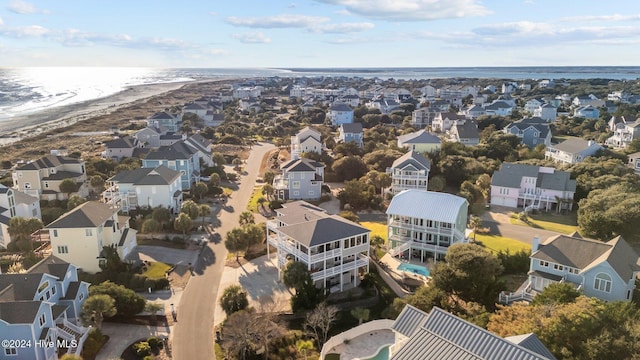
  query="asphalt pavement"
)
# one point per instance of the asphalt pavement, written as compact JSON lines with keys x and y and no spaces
{"x":193,"y":336}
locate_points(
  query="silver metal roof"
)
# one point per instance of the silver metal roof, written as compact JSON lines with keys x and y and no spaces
{"x":427,"y":205}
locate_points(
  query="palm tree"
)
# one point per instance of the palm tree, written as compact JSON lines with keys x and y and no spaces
{"x":96,"y":307}
{"x":203,"y":211}
{"x":475,"y":222}
{"x":246,"y":217}
{"x":361,"y":314}
{"x":267,"y":190}
{"x":261,"y":202}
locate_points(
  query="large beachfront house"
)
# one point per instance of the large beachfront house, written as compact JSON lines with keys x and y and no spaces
{"x":178,"y":157}
{"x":15,"y":203}
{"x":420,"y":141}
{"x":145,"y":187}
{"x":536,"y":187}
{"x":605,"y":270}
{"x":424,"y":224}
{"x":42,"y":178}
{"x":624,"y":133}
{"x":340,"y":113}
{"x":572,"y":150}
{"x":41,"y":307}
{"x":307,"y":140}
{"x":410,"y":171}
{"x":79,"y":235}
{"x":301,"y":179}
{"x":335,"y":250}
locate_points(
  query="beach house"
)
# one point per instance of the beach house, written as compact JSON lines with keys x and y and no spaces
{"x":420,"y":141}
{"x":410,"y":171}
{"x":120,"y":148}
{"x":164,"y":119}
{"x":42,"y":177}
{"x":423,"y":224}
{"x":340,"y":113}
{"x":301,"y":179}
{"x":572,"y":150}
{"x":531,"y":132}
{"x":15,"y":203}
{"x":179,"y":157}
{"x":334,"y":249}
{"x":307,"y":140}
{"x":350,"y":133}
{"x":444,"y":120}
{"x":79,"y":235}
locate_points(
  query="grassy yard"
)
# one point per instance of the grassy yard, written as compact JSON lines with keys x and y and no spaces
{"x":564,"y":224}
{"x":253,"y":202}
{"x":496,"y":243}
{"x":377,"y":228}
{"x":156,"y":270}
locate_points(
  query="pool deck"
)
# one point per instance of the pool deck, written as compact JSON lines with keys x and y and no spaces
{"x":364,"y":346}
{"x":392,"y":264}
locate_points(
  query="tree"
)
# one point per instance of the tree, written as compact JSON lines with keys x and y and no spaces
{"x":153,"y":308}
{"x":361,"y":314}
{"x":253,"y":234}
{"x":246,"y":217}
{"x":269,"y":176}
{"x":609,"y":212}
{"x":21,"y":229}
{"x":356,"y":194}
{"x":190,"y":208}
{"x":484,"y":184}
{"x":96,"y":307}
{"x":235,"y":241}
{"x":214,"y":179}
{"x":203,"y":211}
{"x":74,"y":201}
{"x":199,"y":189}
{"x":218,"y":159}
{"x":237,"y":163}
{"x":97,"y":182}
{"x":349,"y":167}
{"x":127,"y":302}
{"x":295,"y":274}
{"x":319,"y":321}
{"x":240,"y":336}
{"x":261,"y":202}
{"x":183,"y":223}
{"x":349,"y":215}
{"x":475,"y":223}
{"x":161,"y":215}
{"x":556,"y":293}
{"x":267,"y":190}
{"x":303,"y":346}
{"x":150,"y":226}
{"x":233,"y":299}
{"x":68,"y":186}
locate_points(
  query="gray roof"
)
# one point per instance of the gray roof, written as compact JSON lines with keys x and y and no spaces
{"x":543,"y":129}
{"x":323,"y":230}
{"x":572,"y":145}
{"x":510,"y":175}
{"x":580,"y":253}
{"x":419,"y":137}
{"x":410,"y":320}
{"x":299,"y":211}
{"x":467,"y":130}
{"x":162,"y":115}
{"x":414,"y":158}
{"x":51,"y":265}
{"x":86,"y":215}
{"x":498,"y":105}
{"x":49,"y":161}
{"x":19,"y":312}
{"x":445,"y":336}
{"x":301,"y":164}
{"x":17,"y":287}
{"x":200,"y":143}
{"x":22,"y":198}
{"x":194,"y":106}
{"x":452,"y":116}
{"x":61,"y":175}
{"x":123,"y":238}
{"x":340,"y":107}
{"x":121,"y":143}
{"x":355,"y":127}
{"x":160,"y":175}
{"x":72,"y":290}
{"x":427,"y":205}
{"x":177,"y":151}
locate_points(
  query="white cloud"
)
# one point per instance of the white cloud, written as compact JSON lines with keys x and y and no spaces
{"x":25,"y":31}
{"x":1,"y":22}
{"x":412,"y":10}
{"x":23,"y":7}
{"x":252,"y":38}
{"x":613,"y":17}
{"x":342,"y":28}
{"x":216,"y":52}
{"x":278,"y":21}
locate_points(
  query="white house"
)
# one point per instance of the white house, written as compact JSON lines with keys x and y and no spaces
{"x":145,"y":187}
{"x":203,"y":148}
{"x":340,"y":113}
{"x":120,"y":148}
{"x":79,"y":235}
{"x":624,"y":134}
{"x":301,"y":179}
{"x":498,"y":108}
{"x":350,"y":133}
{"x":195,"y":108}
{"x":420,"y":141}
{"x":42,"y":177}
{"x":572,"y":150}
{"x":634,"y":162}
{"x":444,"y":120}
{"x":410,"y":171}
{"x":587,"y":112}
{"x":307,"y":140}
{"x":15,"y":203}
{"x":532,"y":187}
{"x":334,"y":249}
{"x":424,"y":224}
{"x":247,"y":92}
{"x":547,"y":112}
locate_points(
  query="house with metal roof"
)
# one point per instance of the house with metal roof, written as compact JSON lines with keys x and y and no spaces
{"x":41,"y":307}
{"x":180,"y":157}
{"x":532,"y":133}
{"x":334,"y":249}
{"x":307,"y":140}
{"x":424,"y":224}
{"x":145,"y":187}
{"x":420,"y":141}
{"x":15,"y":203}
{"x":351,"y":133}
{"x":572,"y":150}
{"x":532,"y":187}
{"x":79,"y":235}
{"x":444,"y":336}
{"x":301,"y":179}
{"x":42,"y":177}
{"x":604,"y":270}
{"x":410,"y":171}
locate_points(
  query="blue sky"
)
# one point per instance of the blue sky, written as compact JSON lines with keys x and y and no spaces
{"x":318,"y":33}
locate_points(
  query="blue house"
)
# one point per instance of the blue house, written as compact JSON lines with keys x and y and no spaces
{"x":42,"y":309}
{"x":587,"y":112}
{"x":531,"y":132}
{"x":351,"y":133}
{"x":179,"y":157}
{"x":164,"y":119}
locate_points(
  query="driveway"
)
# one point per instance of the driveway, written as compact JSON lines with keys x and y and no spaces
{"x":123,"y":335}
{"x":164,"y":254}
{"x":498,"y":222}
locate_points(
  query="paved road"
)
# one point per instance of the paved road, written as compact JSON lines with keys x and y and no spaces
{"x":193,"y":335}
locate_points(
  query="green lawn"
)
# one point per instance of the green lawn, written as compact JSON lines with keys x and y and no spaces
{"x":156,"y":270}
{"x":564,"y":224}
{"x":496,"y":243}
{"x":253,"y":202}
{"x":377,"y":228}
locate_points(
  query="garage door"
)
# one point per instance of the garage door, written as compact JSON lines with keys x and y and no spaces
{"x":504,"y":201}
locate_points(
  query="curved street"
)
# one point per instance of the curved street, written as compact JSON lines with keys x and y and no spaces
{"x":193,"y":334}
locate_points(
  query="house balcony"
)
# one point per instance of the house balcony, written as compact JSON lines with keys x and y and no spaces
{"x":70,"y":332}
{"x":272,"y":225}
{"x":280,"y":183}
{"x":427,"y":229}
{"x":440,"y":247}
{"x":361,"y":261}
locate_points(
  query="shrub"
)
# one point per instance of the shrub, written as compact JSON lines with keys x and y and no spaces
{"x":142,"y":348}
{"x":92,"y":345}
{"x":154,"y":342}
{"x":514,"y":263}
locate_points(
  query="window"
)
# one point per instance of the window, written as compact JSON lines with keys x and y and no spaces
{"x":46,"y":184}
{"x":55,"y":232}
{"x":62,"y":249}
{"x":558,"y":267}
{"x":311,"y":193}
{"x":302,"y":175}
{"x":602,"y":282}
{"x":544,"y":263}
{"x":81,"y":296}
{"x":296,"y":184}
{"x":42,"y":320}
{"x":296,"y":193}
{"x":53,"y":290}
{"x":88,"y":232}
{"x":10,"y":351}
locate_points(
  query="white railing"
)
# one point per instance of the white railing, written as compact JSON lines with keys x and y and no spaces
{"x":272,"y":225}
{"x":399,"y":249}
{"x":325,"y":255}
{"x":339,"y":269}
{"x":354,"y":333}
{"x":522,"y":295}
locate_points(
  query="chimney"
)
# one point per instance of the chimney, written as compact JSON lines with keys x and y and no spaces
{"x":535,"y":243}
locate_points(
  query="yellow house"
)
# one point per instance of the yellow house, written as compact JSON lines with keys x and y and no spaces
{"x":78,"y":236}
{"x":420,"y":141}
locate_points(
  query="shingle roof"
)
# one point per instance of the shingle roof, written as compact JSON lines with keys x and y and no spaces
{"x":299,"y":211}
{"x":194,"y":106}
{"x":340,"y":107}
{"x":445,"y":336}
{"x":323,"y":230}
{"x":355,"y":127}
{"x":86,"y":215}
{"x":121,"y":143}
{"x":177,"y":151}
{"x":17,"y":287}
{"x":510,"y":175}
{"x":19,"y":312}
{"x":414,"y":158}
{"x":200,"y":143}
{"x":419,"y":137}
{"x":162,"y":115}
{"x":61,"y":175}
{"x":431,"y":205}
{"x":51,"y":265}
{"x":467,"y":130}
{"x":22,"y":198}
{"x":72,"y":290}
{"x":160,"y":175}
{"x":572,"y":145}
{"x":49,"y":161}
{"x":301,"y":164}
{"x":498,"y":105}
{"x":543,"y":129}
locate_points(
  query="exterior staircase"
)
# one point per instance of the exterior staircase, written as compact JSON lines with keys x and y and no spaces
{"x":73,"y":334}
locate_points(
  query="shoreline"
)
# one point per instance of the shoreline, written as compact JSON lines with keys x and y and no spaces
{"x":24,"y":126}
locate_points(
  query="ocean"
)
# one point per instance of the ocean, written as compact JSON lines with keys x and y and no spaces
{"x":29,"y":90}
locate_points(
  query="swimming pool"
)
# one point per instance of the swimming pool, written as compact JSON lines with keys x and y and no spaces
{"x":416,"y":269}
{"x":383,"y":354}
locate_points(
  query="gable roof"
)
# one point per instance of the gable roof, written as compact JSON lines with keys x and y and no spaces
{"x":49,"y":161}
{"x":322,"y":230}
{"x":511,"y":174}
{"x":467,"y":130}
{"x":176,"y":151}
{"x":200,"y":143}
{"x":573,"y":145}
{"x":301,"y":164}
{"x":337,"y":106}
{"x":498,"y":105}
{"x":51,"y":265}
{"x":419,"y":137}
{"x":427,"y":205}
{"x":441,"y":335}
{"x":163,"y":115}
{"x":355,"y":127}
{"x":19,"y":312}
{"x":530,"y":341}
{"x":414,"y":158}
{"x":543,"y":129}
{"x":121,"y":143}
{"x":160,"y":175}
{"x":86,"y":215}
